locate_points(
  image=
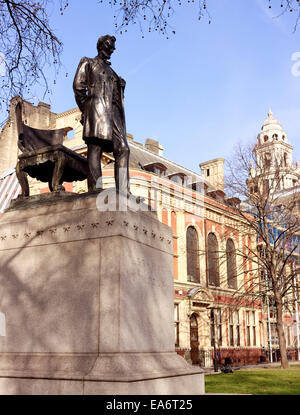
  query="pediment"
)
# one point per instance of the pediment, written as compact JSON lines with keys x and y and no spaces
{"x":200,"y":295}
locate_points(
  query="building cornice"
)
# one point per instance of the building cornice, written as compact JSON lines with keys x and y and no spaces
{"x":264,"y":146}
{"x":66,"y":113}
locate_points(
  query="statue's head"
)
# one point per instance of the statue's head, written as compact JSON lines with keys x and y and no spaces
{"x":106,"y":46}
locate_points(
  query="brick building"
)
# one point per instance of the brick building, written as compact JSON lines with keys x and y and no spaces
{"x":211,"y":317}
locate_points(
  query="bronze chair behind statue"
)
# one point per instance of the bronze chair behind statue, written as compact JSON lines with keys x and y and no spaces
{"x":45,"y":158}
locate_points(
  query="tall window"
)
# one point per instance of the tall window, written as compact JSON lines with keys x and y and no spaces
{"x":213,"y":260}
{"x":234,"y":328}
{"x":237,"y":322}
{"x":231,"y":264}
{"x":274,"y":334}
{"x":219,"y":326}
{"x":212,"y":328}
{"x":193,"y":268}
{"x":248,"y":338}
{"x":216,"y":327}
{"x":231,"y":336}
{"x":253,"y":328}
{"x":176,"y":324}
{"x":288,"y":331}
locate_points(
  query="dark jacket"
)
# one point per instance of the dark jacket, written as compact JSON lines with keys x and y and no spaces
{"x":97,"y":90}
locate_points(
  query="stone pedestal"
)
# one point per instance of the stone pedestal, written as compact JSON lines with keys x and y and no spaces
{"x":87,"y":303}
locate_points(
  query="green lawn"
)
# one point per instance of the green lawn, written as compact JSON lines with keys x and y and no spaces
{"x":256,"y":381}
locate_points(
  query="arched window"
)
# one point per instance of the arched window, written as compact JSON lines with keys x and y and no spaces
{"x":268,"y":159}
{"x":192,"y":255}
{"x":213,"y":260}
{"x":231,"y":264}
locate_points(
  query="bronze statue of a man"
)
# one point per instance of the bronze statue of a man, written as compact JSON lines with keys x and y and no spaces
{"x":99,"y":93}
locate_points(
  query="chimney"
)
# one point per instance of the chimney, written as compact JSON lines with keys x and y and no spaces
{"x":213,"y":171}
{"x":130,"y":139}
{"x":154,"y":146}
{"x":44,"y":105}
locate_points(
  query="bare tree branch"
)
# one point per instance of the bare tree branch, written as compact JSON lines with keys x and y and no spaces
{"x":28,"y":45}
{"x":274,"y":218}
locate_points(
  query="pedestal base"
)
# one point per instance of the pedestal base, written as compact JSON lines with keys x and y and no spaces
{"x":180,"y":385}
{"x":87,"y":302}
{"x":105,"y":374}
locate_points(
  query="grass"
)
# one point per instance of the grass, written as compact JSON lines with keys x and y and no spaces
{"x":256,"y":381}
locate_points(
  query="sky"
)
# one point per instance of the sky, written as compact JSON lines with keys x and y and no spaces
{"x":205,"y":88}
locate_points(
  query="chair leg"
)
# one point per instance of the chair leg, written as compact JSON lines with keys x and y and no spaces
{"x":57,"y":174}
{"x":22,"y":177}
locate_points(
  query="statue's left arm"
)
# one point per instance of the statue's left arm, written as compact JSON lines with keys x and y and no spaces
{"x":80,"y":84}
{"x":121,"y":88}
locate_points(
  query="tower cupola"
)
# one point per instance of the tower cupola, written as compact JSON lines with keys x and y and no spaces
{"x":272,"y":148}
{"x":274,"y":158}
{"x":271,"y":131}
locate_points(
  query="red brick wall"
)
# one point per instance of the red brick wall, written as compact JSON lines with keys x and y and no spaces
{"x":240,"y":356}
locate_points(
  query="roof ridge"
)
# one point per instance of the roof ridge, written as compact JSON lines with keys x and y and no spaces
{"x":164,"y":158}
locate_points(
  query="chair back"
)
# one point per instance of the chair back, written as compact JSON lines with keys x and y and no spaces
{"x":32,"y":139}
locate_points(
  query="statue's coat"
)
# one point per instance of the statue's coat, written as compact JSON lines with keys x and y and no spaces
{"x":99,"y":95}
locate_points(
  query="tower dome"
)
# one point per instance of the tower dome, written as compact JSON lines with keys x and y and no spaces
{"x":274,"y":160}
{"x":271,"y":131}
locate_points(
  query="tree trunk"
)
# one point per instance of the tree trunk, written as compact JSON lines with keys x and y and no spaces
{"x":281,"y":335}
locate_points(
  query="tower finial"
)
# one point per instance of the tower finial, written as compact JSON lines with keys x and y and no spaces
{"x":270,"y":113}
